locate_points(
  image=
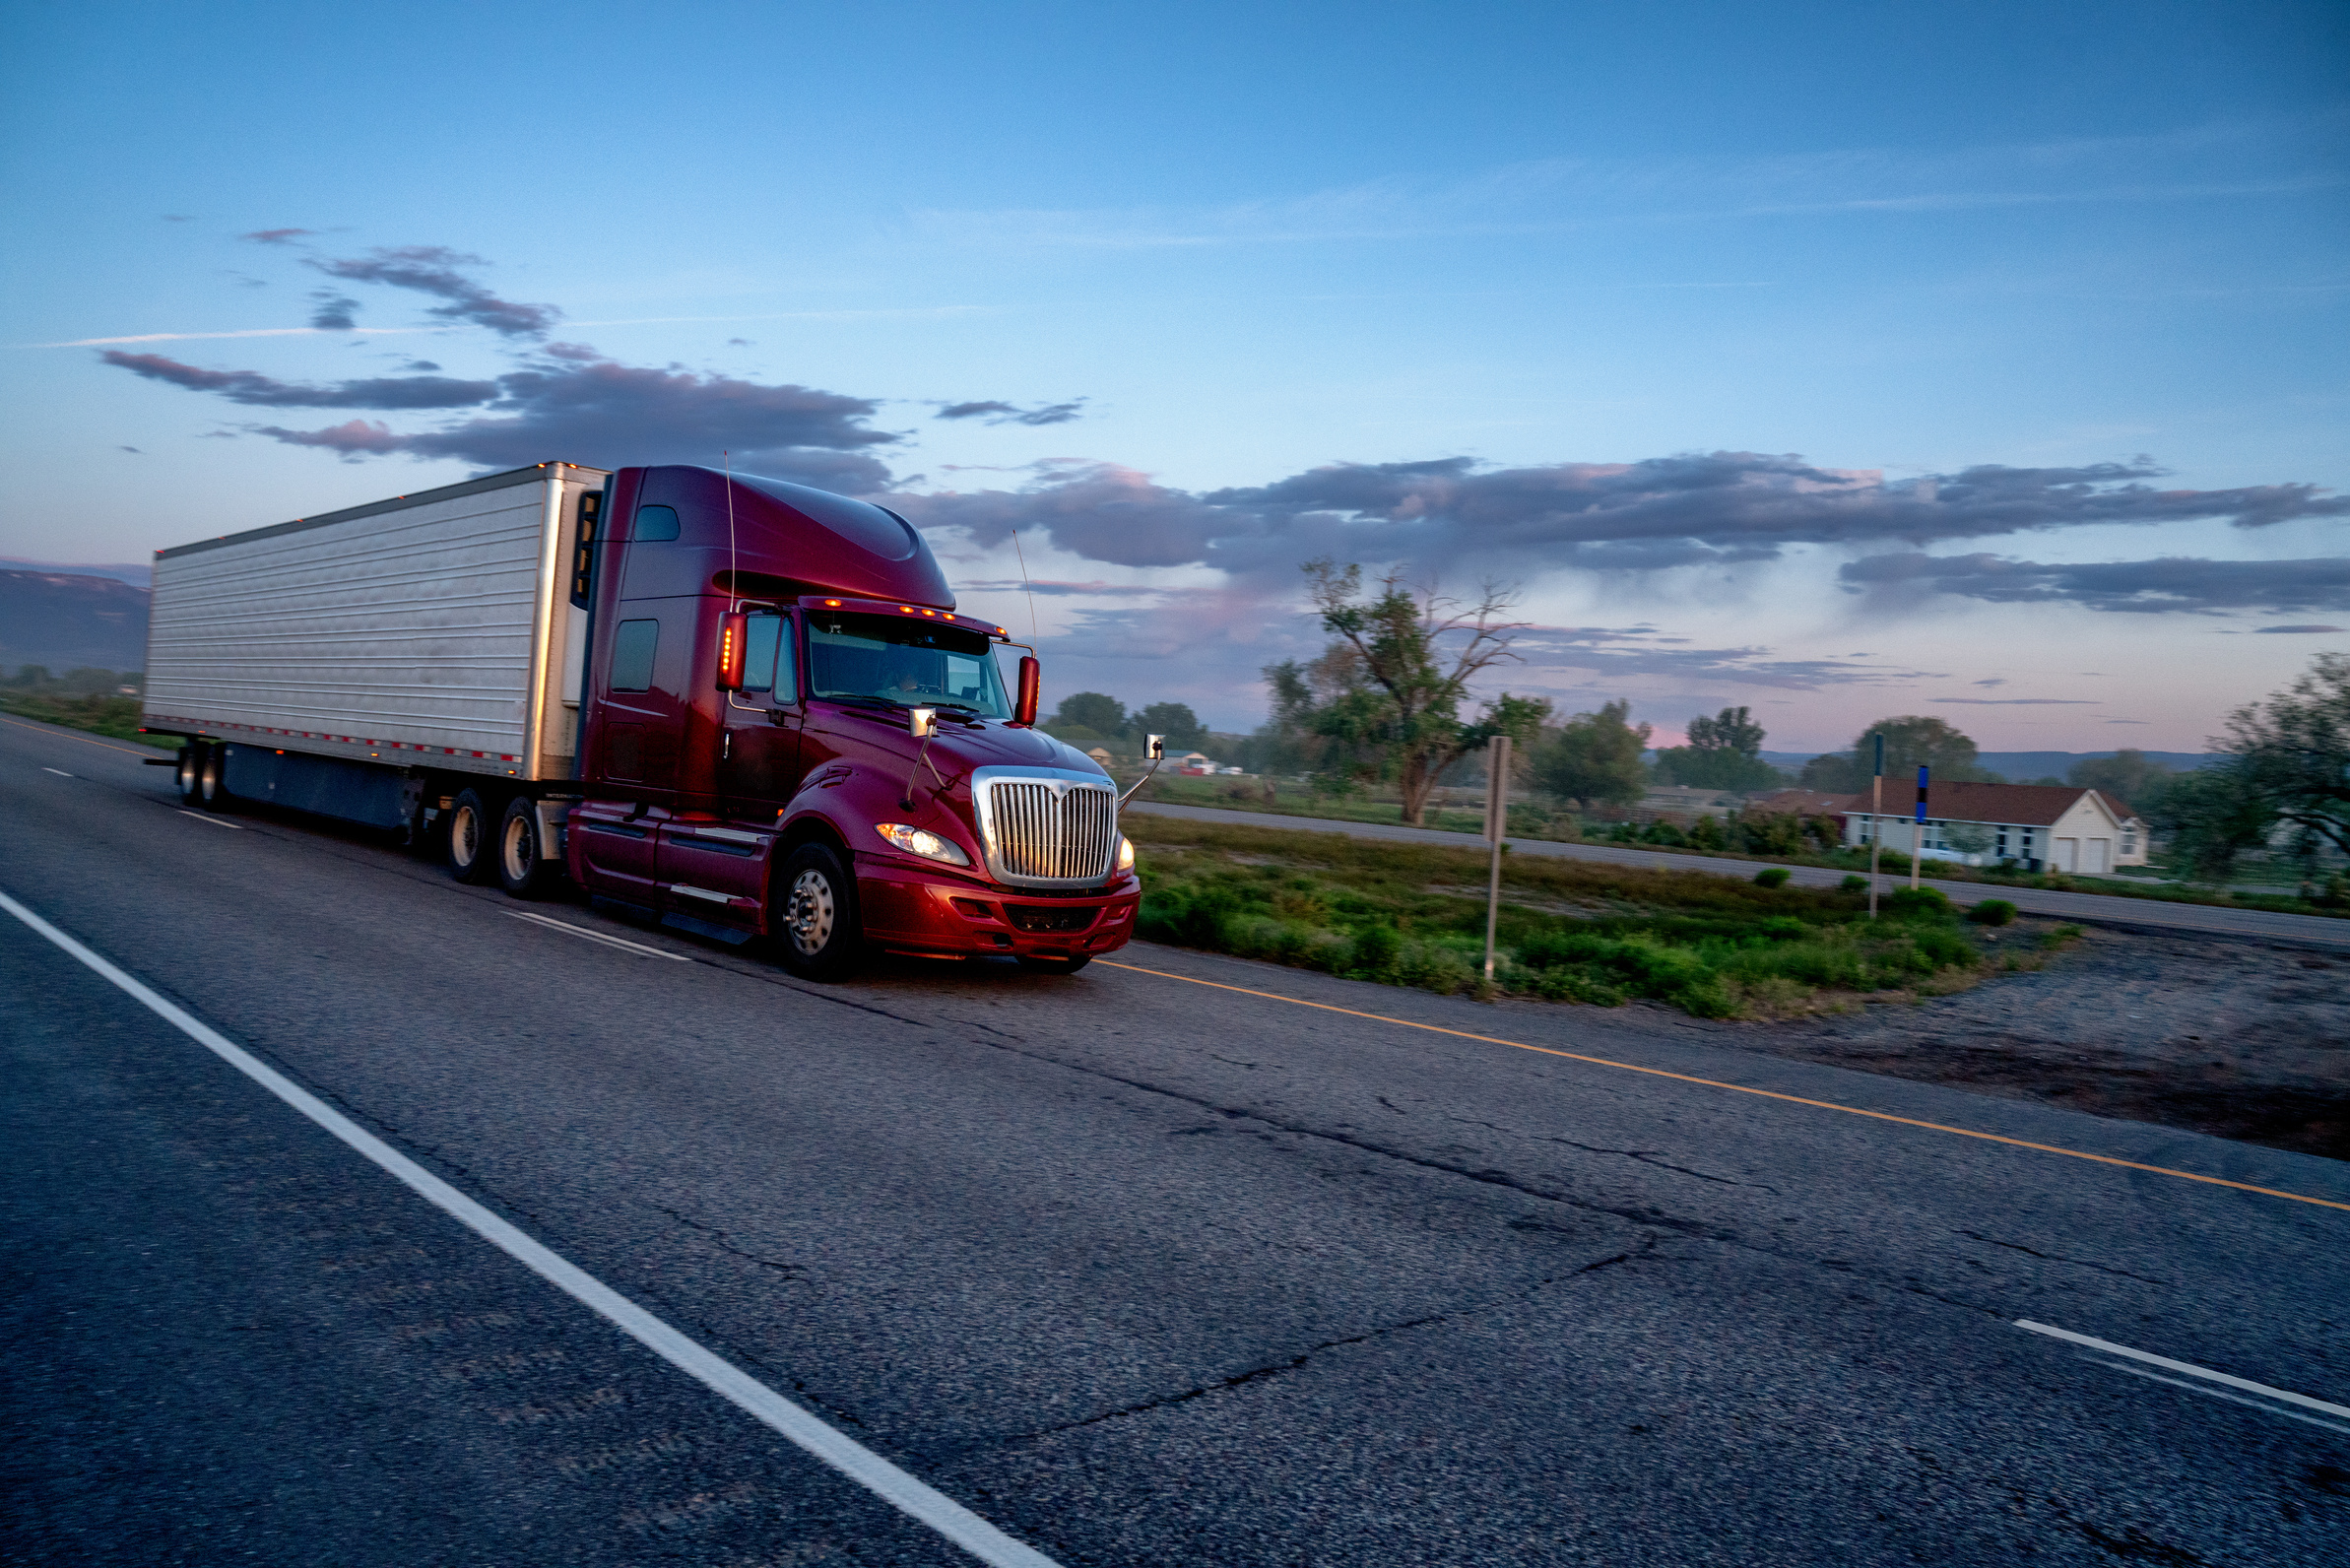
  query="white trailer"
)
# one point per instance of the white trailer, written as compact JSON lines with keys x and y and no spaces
{"x":429,"y":634}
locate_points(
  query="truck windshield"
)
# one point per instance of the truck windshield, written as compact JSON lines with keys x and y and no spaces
{"x":910,"y":662}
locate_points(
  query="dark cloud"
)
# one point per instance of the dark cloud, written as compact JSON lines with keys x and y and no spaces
{"x":179,"y":218}
{"x":2296,"y":631}
{"x":2172,"y":583}
{"x":255,"y":390}
{"x":129,"y":449}
{"x":2017,"y":702}
{"x":739,"y":342}
{"x":1718,"y":508}
{"x":278,"y":236}
{"x":570,"y":401}
{"x":434,"y":270}
{"x":999,"y":413}
{"x":419,"y":364}
{"x":334,"y":312}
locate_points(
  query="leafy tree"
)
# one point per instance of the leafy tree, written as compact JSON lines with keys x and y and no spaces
{"x":1594,"y":758}
{"x":1833,"y":772}
{"x":2125,"y":776}
{"x":1104,"y":715}
{"x":1721,"y":754}
{"x":1385,"y":697}
{"x":2210,"y":817}
{"x":2291,"y":753}
{"x":1174,"y":720}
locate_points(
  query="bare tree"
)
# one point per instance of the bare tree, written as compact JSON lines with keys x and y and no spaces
{"x":1399,"y":672}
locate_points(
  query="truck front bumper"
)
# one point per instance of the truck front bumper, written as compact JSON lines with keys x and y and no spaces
{"x":907,"y":909}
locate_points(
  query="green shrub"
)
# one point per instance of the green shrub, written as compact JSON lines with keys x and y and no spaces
{"x":1854,"y":883}
{"x":1919,"y":903}
{"x":1993,"y":912}
{"x":1373,"y":952}
{"x":1772,"y":877}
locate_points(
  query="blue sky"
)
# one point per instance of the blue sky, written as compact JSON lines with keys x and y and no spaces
{"x":1801,"y":356}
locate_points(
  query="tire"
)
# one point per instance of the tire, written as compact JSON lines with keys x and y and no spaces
{"x":212,"y":780}
{"x":523,"y":868}
{"x":190,"y":773}
{"x":816,"y":932}
{"x":473,"y":845}
{"x":1056,"y":965}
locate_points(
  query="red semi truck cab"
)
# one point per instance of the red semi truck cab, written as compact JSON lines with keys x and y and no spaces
{"x":787,"y":730}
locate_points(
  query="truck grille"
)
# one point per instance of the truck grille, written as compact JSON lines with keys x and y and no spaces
{"x":1042,"y":917}
{"x":1046,"y":833}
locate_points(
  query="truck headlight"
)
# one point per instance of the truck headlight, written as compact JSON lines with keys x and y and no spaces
{"x":922,"y":841}
{"x":1126,"y":855}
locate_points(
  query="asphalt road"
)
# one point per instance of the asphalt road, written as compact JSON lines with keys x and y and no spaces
{"x":1139,"y":1268}
{"x":2102,"y":908}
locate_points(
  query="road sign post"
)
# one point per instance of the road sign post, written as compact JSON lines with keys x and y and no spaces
{"x":1497,"y":829}
{"x":1917,"y":830}
{"x":1876,"y":824}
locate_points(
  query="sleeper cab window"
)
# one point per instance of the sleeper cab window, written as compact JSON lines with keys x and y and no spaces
{"x":767,"y":657}
{"x":632,"y":647}
{"x":655,"y":523}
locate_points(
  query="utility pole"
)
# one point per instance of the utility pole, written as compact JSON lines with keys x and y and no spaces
{"x":1876,"y":824}
{"x":1497,"y":829}
{"x":1917,"y":830}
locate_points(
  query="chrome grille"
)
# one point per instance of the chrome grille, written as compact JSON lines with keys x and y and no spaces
{"x":1041,"y":832}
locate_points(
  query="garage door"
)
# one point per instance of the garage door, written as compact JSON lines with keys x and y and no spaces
{"x":2067,"y":856}
{"x":2097,"y":854}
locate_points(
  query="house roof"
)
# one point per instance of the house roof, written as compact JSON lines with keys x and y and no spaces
{"x":2021,"y":805}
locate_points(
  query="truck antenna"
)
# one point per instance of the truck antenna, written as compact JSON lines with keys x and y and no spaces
{"x":1024,"y":583}
{"x":733,"y":575}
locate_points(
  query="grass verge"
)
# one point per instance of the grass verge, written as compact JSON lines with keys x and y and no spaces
{"x":1570,"y":931}
{"x":117,"y":716}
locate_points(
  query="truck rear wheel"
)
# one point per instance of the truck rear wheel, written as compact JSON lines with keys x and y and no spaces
{"x":816,"y":934}
{"x":523,"y":868}
{"x":191,"y":774}
{"x":472,"y":841}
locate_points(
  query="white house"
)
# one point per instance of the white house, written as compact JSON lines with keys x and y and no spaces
{"x":2037,"y":827}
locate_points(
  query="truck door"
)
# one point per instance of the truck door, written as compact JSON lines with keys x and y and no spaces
{"x":759,"y":746}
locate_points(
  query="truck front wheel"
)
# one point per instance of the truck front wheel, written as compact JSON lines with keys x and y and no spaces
{"x":523,"y":868}
{"x":472,"y":842}
{"x":815,"y":926}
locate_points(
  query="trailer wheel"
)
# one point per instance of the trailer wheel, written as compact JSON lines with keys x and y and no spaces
{"x":523,"y":868}
{"x":190,"y":774}
{"x":211,"y":781}
{"x":472,"y":847}
{"x":816,"y":932}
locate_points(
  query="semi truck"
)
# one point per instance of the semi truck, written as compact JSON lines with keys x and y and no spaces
{"x":738,"y":705}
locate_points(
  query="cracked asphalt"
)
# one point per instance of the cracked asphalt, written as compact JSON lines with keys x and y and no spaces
{"x":1143,"y":1270}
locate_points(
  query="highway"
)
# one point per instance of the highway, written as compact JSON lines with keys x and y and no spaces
{"x":2103,"y":908}
{"x":319,"y":1161}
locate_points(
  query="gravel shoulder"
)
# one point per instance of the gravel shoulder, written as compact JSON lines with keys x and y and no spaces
{"x":2236,"y":1037}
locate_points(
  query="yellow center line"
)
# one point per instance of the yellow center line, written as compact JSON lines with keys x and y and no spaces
{"x":1738,"y":1089}
{"x":47,"y":729}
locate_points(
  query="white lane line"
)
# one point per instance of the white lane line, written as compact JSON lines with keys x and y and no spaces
{"x":211,"y":822}
{"x":860,"y":1464}
{"x":598,"y":936}
{"x":2221,"y":1393}
{"x":2187,"y":1367}
{"x":60,"y":773}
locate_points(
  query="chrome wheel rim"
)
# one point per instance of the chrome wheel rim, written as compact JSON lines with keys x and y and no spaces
{"x":187,"y":771}
{"x":465,"y":835}
{"x":209,"y":780}
{"x":517,"y":849}
{"x":809,"y":915}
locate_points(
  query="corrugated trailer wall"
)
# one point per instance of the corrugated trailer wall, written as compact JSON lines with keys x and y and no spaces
{"x":431,"y":629}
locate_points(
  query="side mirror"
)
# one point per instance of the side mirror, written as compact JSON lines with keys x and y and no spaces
{"x":922,"y":723}
{"x":1031,"y":683}
{"x":734,"y":631}
{"x":1154,"y":747}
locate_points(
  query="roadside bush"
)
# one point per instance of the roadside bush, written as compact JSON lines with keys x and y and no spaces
{"x":1915,"y":902}
{"x":1993,"y":912}
{"x":1854,"y":883}
{"x":1373,"y":952}
{"x":1772,"y":877}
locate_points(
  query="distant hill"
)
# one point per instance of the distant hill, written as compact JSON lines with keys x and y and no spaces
{"x":2019,"y":767}
{"x":71,"y":620}
{"x":137,"y":574}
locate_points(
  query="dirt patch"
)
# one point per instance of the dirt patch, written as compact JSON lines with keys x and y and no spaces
{"x":2236,"y":1037}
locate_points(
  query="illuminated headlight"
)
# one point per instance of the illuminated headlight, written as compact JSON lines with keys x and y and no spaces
{"x":922,"y":841}
{"x":1125,"y":854}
